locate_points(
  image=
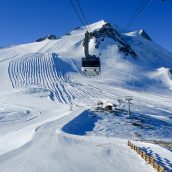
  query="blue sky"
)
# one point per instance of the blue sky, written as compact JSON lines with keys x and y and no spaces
{"x":23,"y":21}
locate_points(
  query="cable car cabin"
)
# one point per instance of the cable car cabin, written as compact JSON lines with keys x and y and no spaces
{"x":90,"y":63}
{"x":91,"y":66}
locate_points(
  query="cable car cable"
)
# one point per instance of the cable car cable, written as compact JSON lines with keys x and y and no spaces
{"x":138,"y":11}
{"x":141,"y":11}
{"x":82,"y":12}
{"x":73,"y":6}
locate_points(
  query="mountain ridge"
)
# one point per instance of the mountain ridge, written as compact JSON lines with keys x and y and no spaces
{"x":116,"y":50}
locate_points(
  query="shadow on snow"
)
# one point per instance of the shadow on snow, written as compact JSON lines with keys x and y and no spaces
{"x":82,"y":124}
{"x":167,"y":164}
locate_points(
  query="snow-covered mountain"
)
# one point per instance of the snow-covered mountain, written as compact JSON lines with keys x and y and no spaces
{"x":128,"y":59}
{"x":39,"y":82}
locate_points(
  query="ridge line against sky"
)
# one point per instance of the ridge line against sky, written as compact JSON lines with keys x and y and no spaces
{"x":23,"y":21}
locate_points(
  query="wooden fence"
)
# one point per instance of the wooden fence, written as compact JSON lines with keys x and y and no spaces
{"x":150,"y":160}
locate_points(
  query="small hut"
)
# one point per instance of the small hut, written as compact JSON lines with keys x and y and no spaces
{"x":109,"y":106}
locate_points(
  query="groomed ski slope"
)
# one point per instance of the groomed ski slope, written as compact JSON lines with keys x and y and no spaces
{"x":52,"y":150}
{"x":40,"y":81}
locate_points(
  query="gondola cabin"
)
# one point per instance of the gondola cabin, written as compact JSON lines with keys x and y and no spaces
{"x":91,"y":66}
{"x":90,"y":63}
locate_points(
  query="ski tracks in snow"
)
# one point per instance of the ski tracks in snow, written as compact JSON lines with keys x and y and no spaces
{"x":48,"y":71}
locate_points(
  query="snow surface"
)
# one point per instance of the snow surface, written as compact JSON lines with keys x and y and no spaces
{"x":41,"y":82}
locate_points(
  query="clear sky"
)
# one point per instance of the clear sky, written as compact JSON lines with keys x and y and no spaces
{"x":23,"y":21}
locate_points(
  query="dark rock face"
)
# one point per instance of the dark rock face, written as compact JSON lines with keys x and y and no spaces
{"x":40,"y":39}
{"x":126,"y":51}
{"x":170,"y":71}
{"x":145,"y":35}
{"x":107,"y":30}
{"x":50,"y":37}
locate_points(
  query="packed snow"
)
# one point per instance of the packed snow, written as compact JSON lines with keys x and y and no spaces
{"x":47,"y":121}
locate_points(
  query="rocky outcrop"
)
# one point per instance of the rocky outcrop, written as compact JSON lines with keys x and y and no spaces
{"x":50,"y":37}
{"x":107,"y":30}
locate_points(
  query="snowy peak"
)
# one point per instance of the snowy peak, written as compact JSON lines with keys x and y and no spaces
{"x":145,"y":35}
{"x":96,"y":25}
{"x":127,"y":60}
{"x":108,"y":31}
